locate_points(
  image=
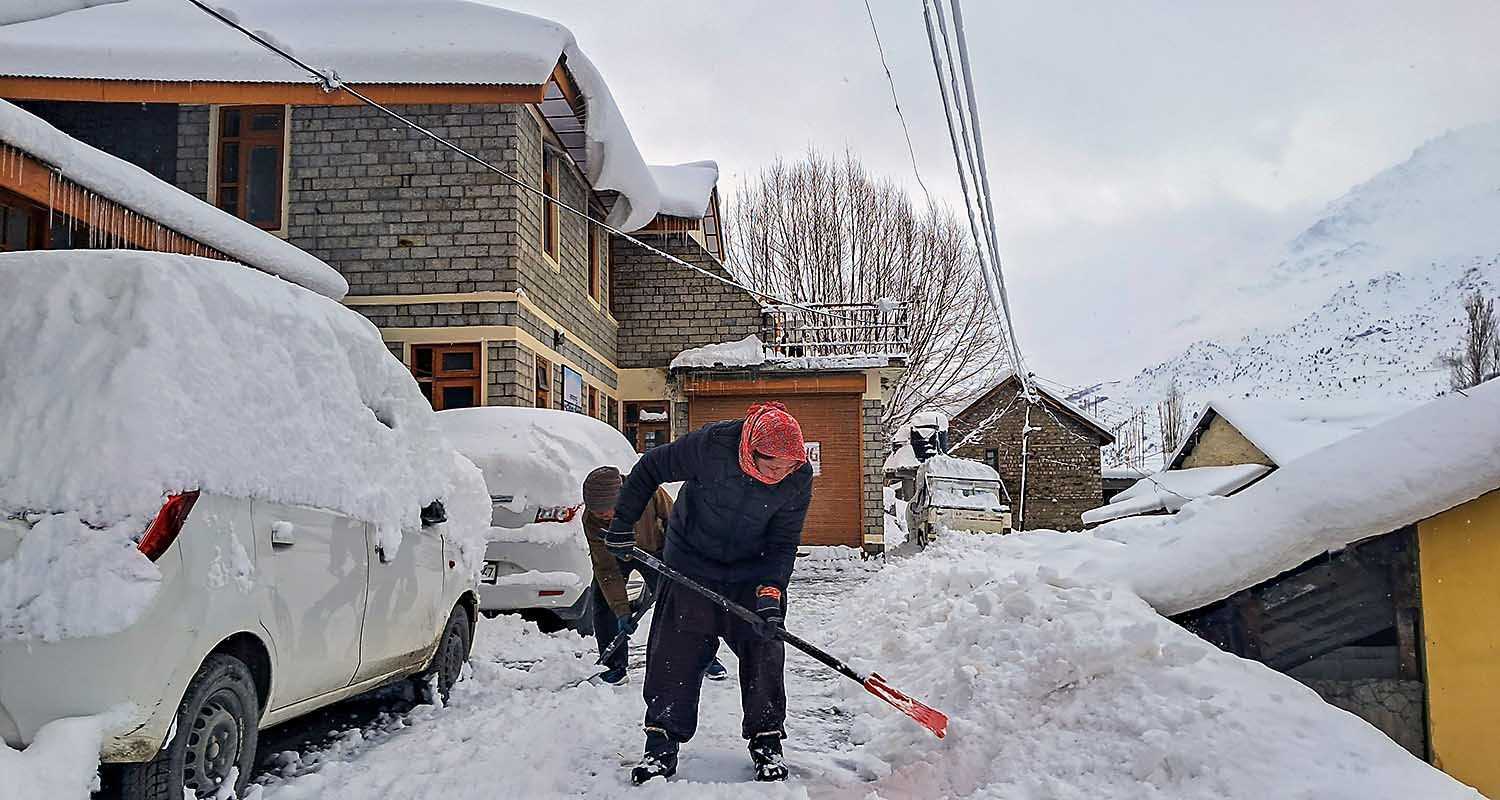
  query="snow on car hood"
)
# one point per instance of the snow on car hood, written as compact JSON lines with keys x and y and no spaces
{"x":130,"y":375}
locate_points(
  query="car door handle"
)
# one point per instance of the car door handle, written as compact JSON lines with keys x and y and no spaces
{"x":283,"y":533}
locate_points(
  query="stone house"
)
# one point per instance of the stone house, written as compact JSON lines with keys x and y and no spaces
{"x":1060,"y":459}
{"x":490,"y":293}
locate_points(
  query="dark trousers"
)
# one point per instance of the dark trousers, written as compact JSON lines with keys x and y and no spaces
{"x":685,"y":632}
{"x":606,"y":624}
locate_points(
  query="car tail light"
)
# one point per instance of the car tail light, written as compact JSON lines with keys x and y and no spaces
{"x":168,"y":523}
{"x":550,"y":593}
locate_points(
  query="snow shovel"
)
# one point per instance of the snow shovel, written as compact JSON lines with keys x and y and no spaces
{"x":926,"y":716}
{"x":621,"y":638}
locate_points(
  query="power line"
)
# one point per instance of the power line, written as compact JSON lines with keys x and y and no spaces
{"x":331,"y":82}
{"x":891,"y":81}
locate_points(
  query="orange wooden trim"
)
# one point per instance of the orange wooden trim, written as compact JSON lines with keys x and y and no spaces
{"x":790,"y":384}
{"x":569,"y":88}
{"x":33,"y":180}
{"x":239,"y":93}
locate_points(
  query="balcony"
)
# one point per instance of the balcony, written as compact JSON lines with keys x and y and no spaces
{"x":872,"y":331}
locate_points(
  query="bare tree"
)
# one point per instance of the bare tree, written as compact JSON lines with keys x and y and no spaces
{"x":824,"y":230}
{"x":1129,"y":449}
{"x":1171,"y":418}
{"x":1477,"y":358}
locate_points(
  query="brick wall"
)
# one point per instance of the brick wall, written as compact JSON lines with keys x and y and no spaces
{"x":663,"y":308}
{"x":143,"y":134}
{"x":560,"y":290}
{"x":1062,"y":463}
{"x":875,"y":449}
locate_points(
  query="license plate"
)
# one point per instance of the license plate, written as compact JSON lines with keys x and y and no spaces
{"x":490,"y":572}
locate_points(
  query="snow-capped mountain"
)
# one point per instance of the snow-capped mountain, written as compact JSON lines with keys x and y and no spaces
{"x":1364,"y":300}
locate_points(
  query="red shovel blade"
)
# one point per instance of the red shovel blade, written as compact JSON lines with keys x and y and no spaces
{"x":925,"y":715}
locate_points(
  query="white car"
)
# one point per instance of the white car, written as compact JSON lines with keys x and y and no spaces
{"x":196,"y":546}
{"x":956,"y":494}
{"x":534,"y":461}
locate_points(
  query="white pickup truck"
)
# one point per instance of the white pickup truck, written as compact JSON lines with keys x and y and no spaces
{"x":957,"y":494}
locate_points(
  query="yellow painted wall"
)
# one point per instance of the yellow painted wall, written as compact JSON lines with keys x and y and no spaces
{"x":1222,"y":445}
{"x":1460,"y":565}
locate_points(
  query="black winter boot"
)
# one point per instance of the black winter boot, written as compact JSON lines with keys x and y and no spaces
{"x":765,"y":753}
{"x":659,"y":761}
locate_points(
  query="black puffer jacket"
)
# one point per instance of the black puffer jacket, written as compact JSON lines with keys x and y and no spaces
{"x":726,"y":526}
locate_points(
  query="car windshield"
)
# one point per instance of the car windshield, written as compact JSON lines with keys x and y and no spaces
{"x":966,"y":494}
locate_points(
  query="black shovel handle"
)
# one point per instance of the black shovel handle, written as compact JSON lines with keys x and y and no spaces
{"x":652,"y":563}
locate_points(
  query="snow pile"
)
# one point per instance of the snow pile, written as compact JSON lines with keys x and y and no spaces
{"x":149,"y":196}
{"x":67,"y":580}
{"x":1410,"y":468}
{"x":905,"y":458}
{"x":685,"y":188}
{"x":747,"y":352}
{"x":27,"y":10}
{"x":895,"y":518}
{"x":365,"y":41}
{"x":62,"y":762}
{"x":130,"y":375}
{"x":536,"y":458}
{"x":1172,"y":489}
{"x":1063,"y":689}
{"x":1287,"y":430}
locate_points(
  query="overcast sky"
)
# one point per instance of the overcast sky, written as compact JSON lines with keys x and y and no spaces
{"x":1139,"y":151}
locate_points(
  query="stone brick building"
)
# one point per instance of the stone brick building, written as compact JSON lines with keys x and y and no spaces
{"x":489,"y":292}
{"x":1061,"y":462}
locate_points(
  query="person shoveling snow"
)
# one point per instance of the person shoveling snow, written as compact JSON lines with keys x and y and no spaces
{"x":736,"y":527}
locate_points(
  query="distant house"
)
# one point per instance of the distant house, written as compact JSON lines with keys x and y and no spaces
{"x":1233,"y":444}
{"x":1398,"y":620}
{"x":1059,"y":459}
{"x":1271,"y":432}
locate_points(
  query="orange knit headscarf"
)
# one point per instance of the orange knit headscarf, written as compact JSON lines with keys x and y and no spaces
{"x":771,"y":431}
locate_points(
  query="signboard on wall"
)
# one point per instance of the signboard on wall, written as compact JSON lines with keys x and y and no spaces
{"x":815,"y":456}
{"x":572,"y":390}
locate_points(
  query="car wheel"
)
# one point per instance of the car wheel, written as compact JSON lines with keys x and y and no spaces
{"x":548,"y":622}
{"x":922,"y":537}
{"x":448,"y":662}
{"x":217,"y":729}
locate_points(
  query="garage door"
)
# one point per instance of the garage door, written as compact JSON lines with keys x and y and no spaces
{"x":833,"y":420}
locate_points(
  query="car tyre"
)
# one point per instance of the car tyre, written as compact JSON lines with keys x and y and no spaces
{"x":448,"y":662}
{"x":217,"y":728}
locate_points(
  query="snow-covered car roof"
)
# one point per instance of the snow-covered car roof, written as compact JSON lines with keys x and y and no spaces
{"x":945,"y":466}
{"x":151,"y":197}
{"x":129,"y":375}
{"x":535,"y":456}
{"x":449,"y":42}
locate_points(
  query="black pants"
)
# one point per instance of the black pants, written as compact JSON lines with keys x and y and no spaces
{"x":685,"y":632}
{"x":606,"y":624}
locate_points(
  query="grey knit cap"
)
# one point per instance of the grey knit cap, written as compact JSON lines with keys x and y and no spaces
{"x":601,"y":489}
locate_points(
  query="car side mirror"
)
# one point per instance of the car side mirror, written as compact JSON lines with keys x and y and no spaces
{"x":434,"y":514}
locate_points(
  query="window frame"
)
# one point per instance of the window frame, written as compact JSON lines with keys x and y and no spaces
{"x":246,"y":140}
{"x":551,"y":232}
{"x":541,"y":396}
{"x":441,"y":378}
{"x":38,"y":237}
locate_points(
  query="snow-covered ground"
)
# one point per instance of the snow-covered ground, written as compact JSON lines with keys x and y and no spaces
{"x":1057,"y":688}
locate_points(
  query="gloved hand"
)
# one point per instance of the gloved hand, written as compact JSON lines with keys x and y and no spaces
{"x":620,"y":539}
{"x":627,"y":625}
{"x":768,"y":605}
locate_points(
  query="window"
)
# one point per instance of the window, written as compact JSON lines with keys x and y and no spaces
{"x":593,"y":402}
{"x":252,"y":149}
{"x":549,"y":208}
{"x":448,"y":374}
{"x":543,"y":383}
{"x":598,"y":262}
{"x":647,"y":424}
{"x":992,"y":457}
{"x":22,"y":224}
